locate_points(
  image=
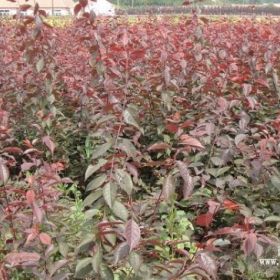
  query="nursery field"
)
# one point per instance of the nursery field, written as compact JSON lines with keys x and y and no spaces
{"x":144,"y":149}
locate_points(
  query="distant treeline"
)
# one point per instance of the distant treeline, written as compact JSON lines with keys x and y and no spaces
{"x":206,"y":10}
{"x":137,"y":3}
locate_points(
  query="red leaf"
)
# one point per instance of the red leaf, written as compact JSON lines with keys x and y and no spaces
{"x":204,"y":220}
{"x":49,"y":143}
{"x":26,"y":166}
{"x":204,"y":20}
{"x":186,"y":124}
{"x":262,"y":82}
{"x":4,"y":272}
{"x":207,"y":263}
{"x":27,"y":143}
{"x":200,"y":245}
{"x":166,"y":74}
{"x":186,"y":3}
{"x":249,"y":243}
{"x":235,"y":230}
{"x":252,"y":102}
{"x":125,"y":38}
{"x":222,"y":104}
{"x":32,"y":234}
{"x":37,"y":212}
{"x":190,"y":141}
{"x":230,"y":205}
{"x":58,"y":166}
{"x":238,"y":79}
{"x":45,"y":238}
{"x":132,"y":234}
{"x":132,"y":169}
{"x":213,"y":206}
{"x":43,"y":13}
{"x":258,"y":251}
{"x":24,"y":7}
{"x":22,"y":258}
{"x":158,"y":146}
{"x":175,"y":118}
{"x":83,"y":3}
{"x":247,"y":89}
{"x":137,"y":54}
{"x":13,"y":150}
{"x":77,"y":8}
{"x":36,"y":8}
{"x":172,"y":127}
{"x":30,"y":196}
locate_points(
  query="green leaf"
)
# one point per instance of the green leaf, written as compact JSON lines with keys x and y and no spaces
{"x":120,"y":211}
{"x":223,"y":170}
{"x":167,"y":98}
{"x":109,"y":193}
{"x":51,"y":98}
{"x":105,"y":119}
{"x":93,"y":168}
{"x":126,"y":146}
{"x":130,"y":119}
{"x":276,"y":82}
{"x":97,"y":259}
{"x":63,"y":248}
{"x":217,"y":172}
{"x":105,"y":272}
{"x":40,"y":65}
{"x":124,"y":180}
{"x":101,"y":150}
{"x":121,"y":252}
{"x":83,"y":267}
{"x":132,"y":234}
{"x":135,"y":261}
{"x":147,"y":271}
{"x":239,"y":138}
{"x":272,"y":219}
{"x":86,"y":243}
{"x":221,"y":242}
{"x":217,"y":161}
{"x":245,"y":211}
{"x":275,"y":180}
{"x":212,"y":171}
{"x":92,"y":197}
{"x":54,"y":267}
{"x":91,"y":213}
{"x":96,"y":182}
{"x":187,"y":178}
{"x":4,"y":173}
{"x":168,"y":187}
{"x":111,"y":238}
{"x":241,"y":265}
